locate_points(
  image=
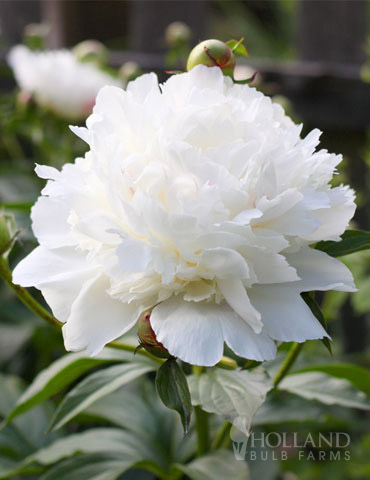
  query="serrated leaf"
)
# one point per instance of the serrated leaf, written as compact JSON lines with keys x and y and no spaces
{"x":219,"y":464}
{"x":231,"y":393}
{"x":352,"y":241}
{"x":173,"y":390}
{"x":316,"y":310}
{"x":96,"y":386}
{"x":60,"y":374}
{"x":237,"y":47}
{"x":325,"y":389}
{"x":358,"y":376}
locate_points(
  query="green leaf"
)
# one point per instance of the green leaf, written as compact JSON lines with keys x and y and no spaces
{"x":358,"y":376}
{"x":91,"y":467}
{"x":231,"y":393}
{"x":237,"y":47}
{"x":96,"y":386}
{"x":173,"y":390}
{"x":316,"y":310}
{"x":352,"y":241}
{"x":325,"y":389}
{"x":113,"y":441}
{"x":25,"y":434}
{"x":95,"y":440}
{"x":219,"y":464}
{"x":147,"y":417}
{"x":60,"y":374}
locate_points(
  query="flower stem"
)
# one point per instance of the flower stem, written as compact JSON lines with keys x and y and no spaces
{"x":25,"y":297}
{"x":201,"y":426}
{"x":288,"y":362}
{"x":222,"y":438}
{"x":201,"y":423}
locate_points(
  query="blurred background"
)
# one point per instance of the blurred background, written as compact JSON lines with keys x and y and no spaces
{"x":311,"y":56}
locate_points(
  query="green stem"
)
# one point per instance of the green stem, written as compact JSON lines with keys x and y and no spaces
{"x":202,"y":429}
{"x":288,"y":362}
{"x":222,"y":437}
{"x":25,"y":297}
{"x":133,"y":349}
{"x":201,"y":423}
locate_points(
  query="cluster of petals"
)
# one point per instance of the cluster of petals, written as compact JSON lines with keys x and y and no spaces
{"x":198,"y":199}
{"x":58,"y":81}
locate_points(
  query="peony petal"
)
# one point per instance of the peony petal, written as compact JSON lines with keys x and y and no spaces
{"x":236,"y":296}
{"x":59,"y":274}
{"x":96,"y":318}
{"x":43,"y":265}
{"x":319,"y":271}
{"x":285,"y":316}
{"x":244,"y":342}
{"x":224,"y":262}
{"x":49,"y":222}
{"x":191,"y":331}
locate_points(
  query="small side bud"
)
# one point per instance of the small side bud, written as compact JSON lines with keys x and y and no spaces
{"x":129,"y":71}
{"x":91,"y":51}
{"x":177,"y":33}
{"x":148,"y":340}
{"x":5,"y":236}
{"x":212,"y":53}
{"x":35,"y":35}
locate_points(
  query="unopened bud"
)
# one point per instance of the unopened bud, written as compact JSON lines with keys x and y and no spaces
{"x":129,"y":71}
{"x":147,"y":337}
{"x":35,"y":35}
{"x":177,"y":33}
{"x":212,"y":53}
{"x":91,"y":51}
{"x":5,"y":236}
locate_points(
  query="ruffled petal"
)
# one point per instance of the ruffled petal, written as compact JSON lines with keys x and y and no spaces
{"x":319,"y":271}
{"x":236,"y":296}
{"x":244,"y":342}
{"x":96,"y":319}
{"x":191,"y":331}
{"x":285,"y":316}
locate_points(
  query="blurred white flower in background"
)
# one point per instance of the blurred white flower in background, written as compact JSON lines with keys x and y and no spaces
{"x":58,"y":81}
{"x":198,"y":198}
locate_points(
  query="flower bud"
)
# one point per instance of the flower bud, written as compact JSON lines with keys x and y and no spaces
{"x":177,"y":33}
{"x":35,"y":35}
{"x":4,"y":235}
{"x":91,"y":51}
{"x":212,"y":53}
{"x":129,"y":71}
{"x":147,"y":337}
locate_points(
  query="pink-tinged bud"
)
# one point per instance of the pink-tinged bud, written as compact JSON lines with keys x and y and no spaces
{"x":147,"y":337}
{"x":212,"y":53}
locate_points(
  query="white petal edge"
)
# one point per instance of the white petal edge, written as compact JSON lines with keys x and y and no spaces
{"x":96,"y":319}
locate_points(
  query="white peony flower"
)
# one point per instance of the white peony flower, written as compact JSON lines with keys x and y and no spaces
{"x":58,"y":80}
{"x":197,"y":198}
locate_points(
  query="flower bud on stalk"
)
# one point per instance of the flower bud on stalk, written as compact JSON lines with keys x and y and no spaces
{"x":177,"y":33}
{"x":148,"y":340}
{"x":212,"y":53}
{"x":91,"y":51}
{"x":5,"y":237}
{"x":129,"y":71}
